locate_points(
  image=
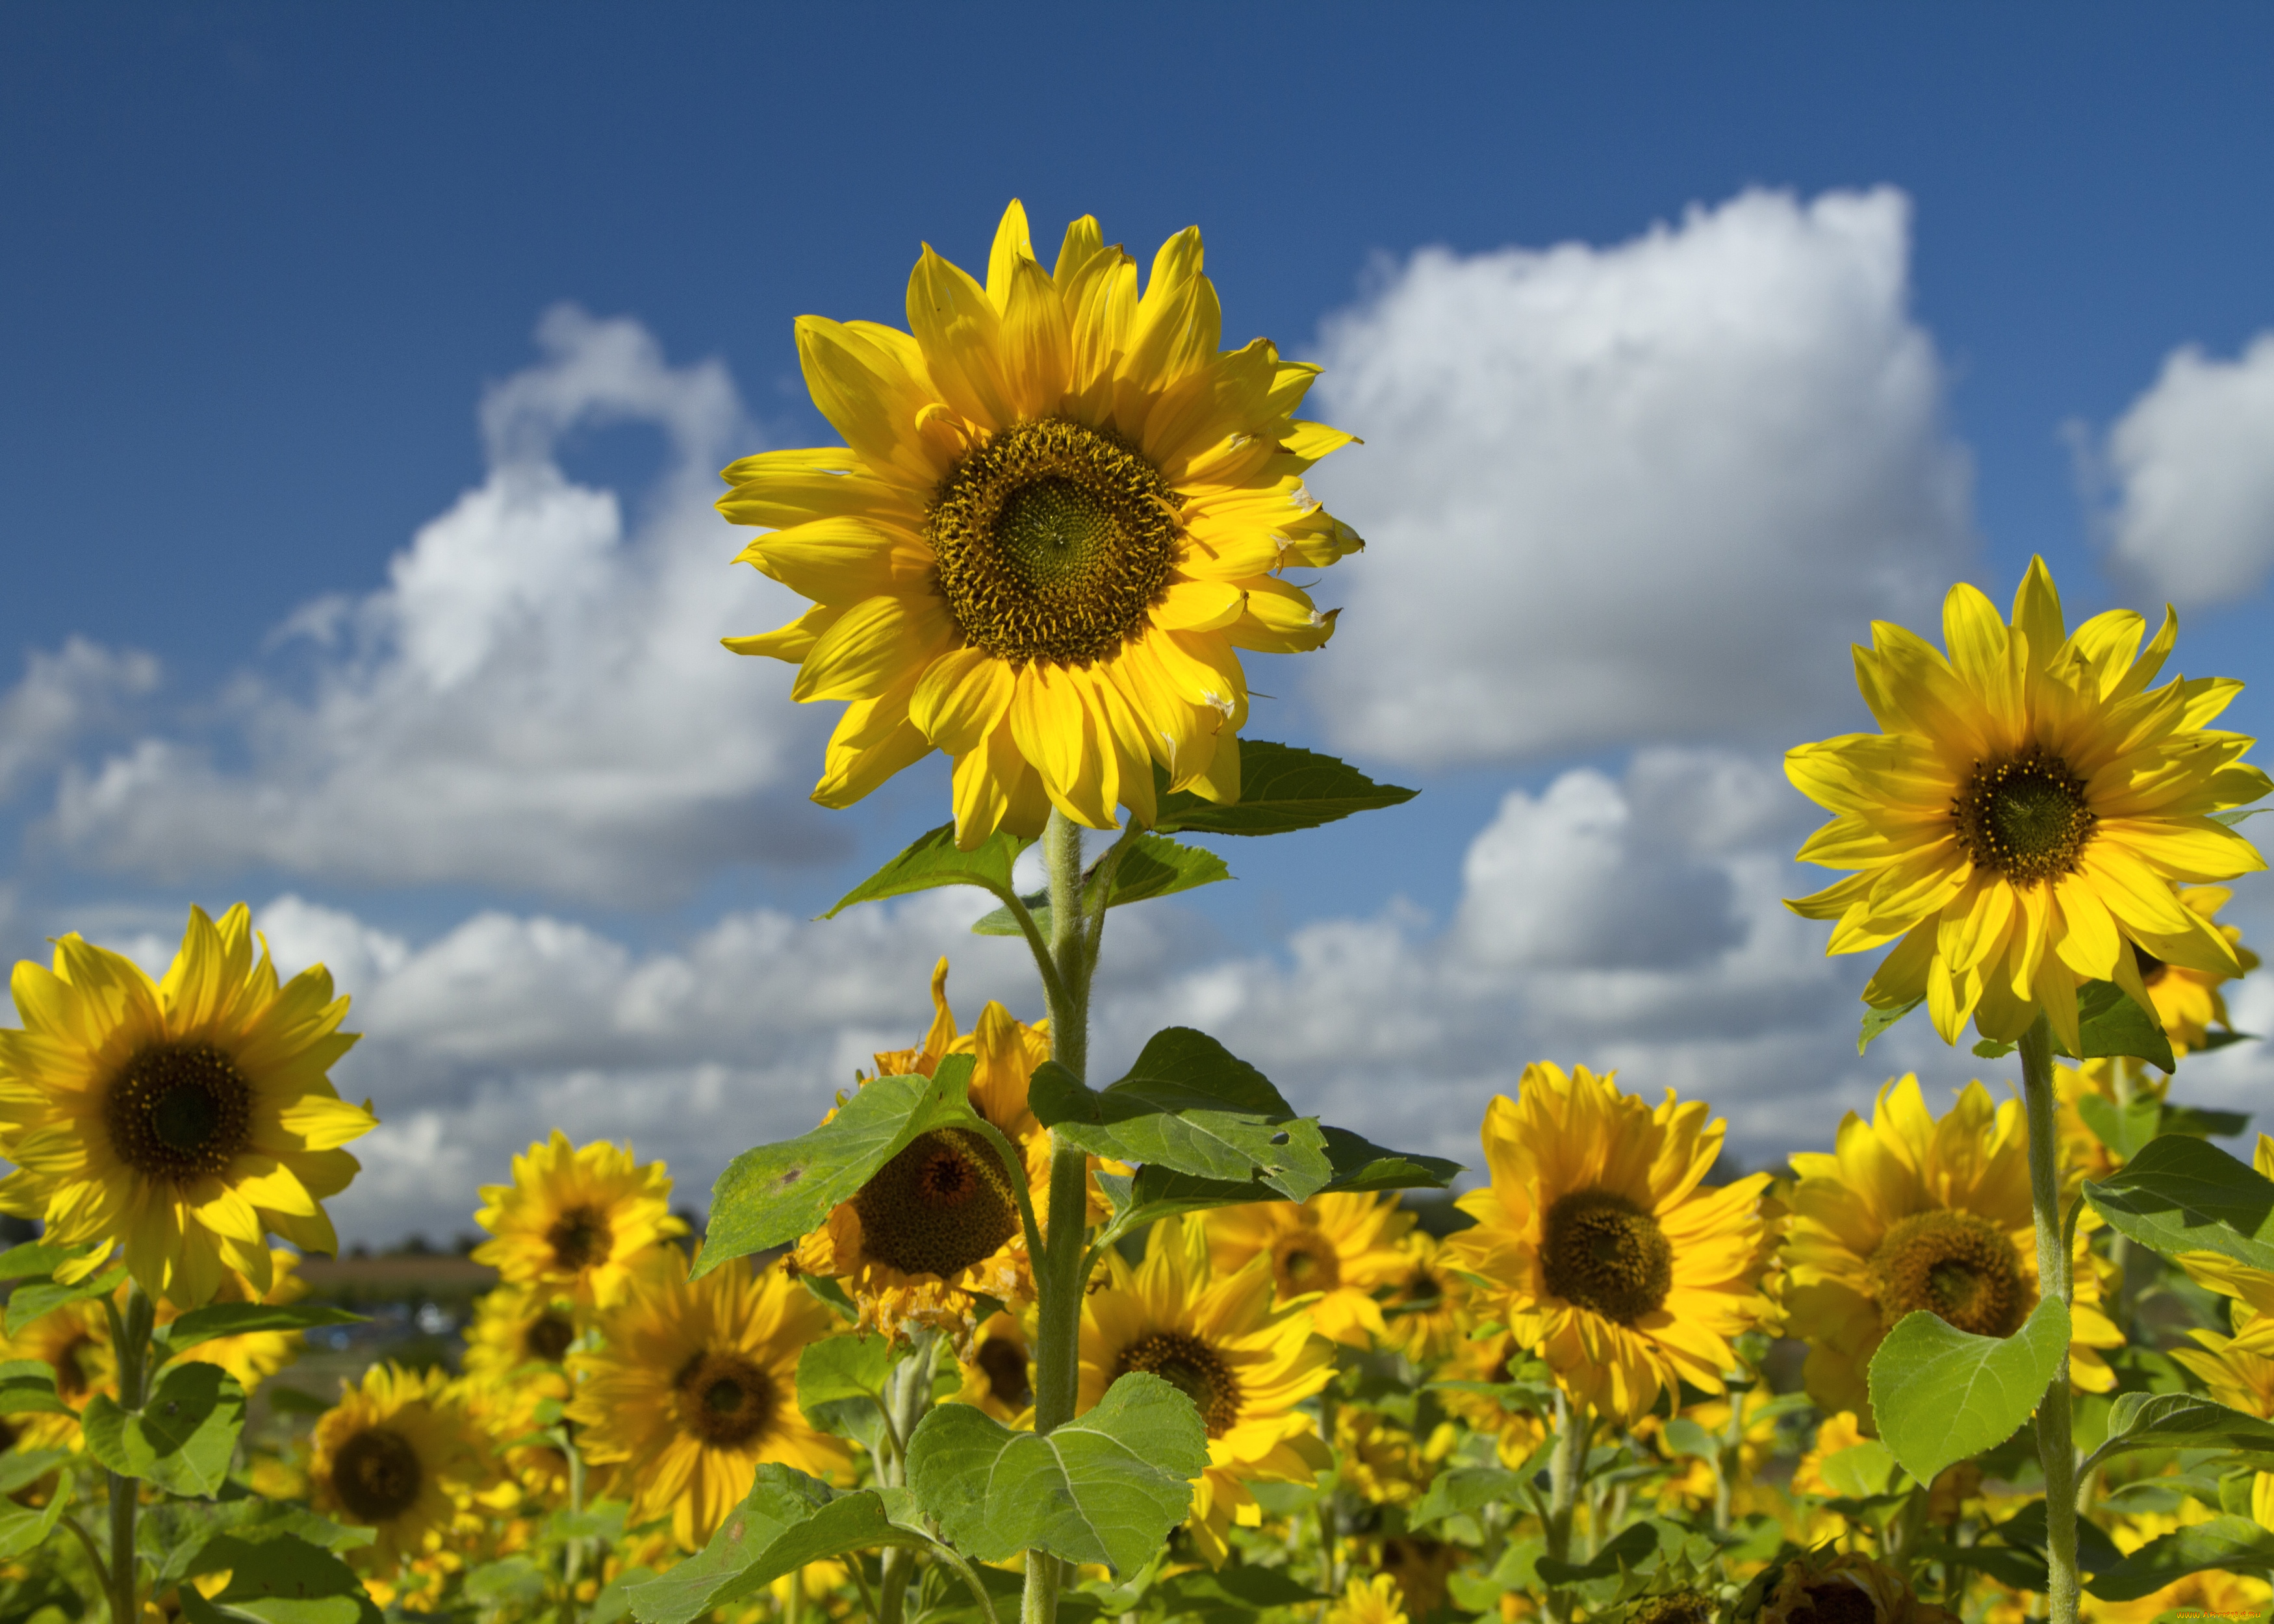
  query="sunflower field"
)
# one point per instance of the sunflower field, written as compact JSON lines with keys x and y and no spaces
{"x":999,"y":1339}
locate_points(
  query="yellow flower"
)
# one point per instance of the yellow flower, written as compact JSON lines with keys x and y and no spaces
{"x":2187,"y":1000}
{"x":998,"y":1373}
{"x":185,"y":1119}
{"x":1486,"y":1360}
{"x":583,"y":1223}
{"x":251,"y":1356}
{"x":1059,"y":514}
{"x":1336,"y":1249}
{"x":2019,"y":823}
{"x":74,"y":1342}
{"x":1369,"y":1601}
{"x":1243,"y":1363}
{"x":1909,"y":1213}
{"x":1427,"y":1305}
{"x":393,"y":1455}
{"x":1381,"y":1461}
{"x":1841,"y":1430}
{"x":696,"y":1387}
{"x":1611,"y":1257}
{"x":515,"y":1352}
{"x":2238,"y":1371}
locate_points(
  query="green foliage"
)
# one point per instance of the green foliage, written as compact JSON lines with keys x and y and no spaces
{"x":932,"y":862}
{"x":278,"y":1578}
{"x":25,"y":1528}
{"x":1877,"y":1020}
{"x":181,"y":1437}
{"x":34,"y":1297}
{"x":202,"y":1325}
{"x":1280,"y":789}
{"x":2179,"y":1194}
{"x":2110,"y":1024}
{"x":2184,"y":1421}
{"x":1464,"y":1488}
{"x":1361,"y":1165}
{"x":1146,"y":866}
{"x":1941,"y":1394}
{"x":840,"y":1386}
{"x":27,"y":1386}
{"x":2233,"y":1543}
{"x":2126,"y":1130}
{"x":1105,"y":1487}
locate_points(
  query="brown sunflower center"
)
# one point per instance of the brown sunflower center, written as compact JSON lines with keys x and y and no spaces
{"x":2023,"y":817}
{"x":1955,"y":1265}
{"x":1834,"y":1600}
{"x":1194,"y":1369}
{"x":1004,"y":1363}
{"x":1673,"y":1607}
{"x":2152,"y":969}
{"x":1304,"y":1260}
{"x":725,"y":1400}
{"x":548,"y":1337}
{"x":579,"y":1238}
{"x":1604,"y":1253}
{"x":178,"y":1112}
{"x":377,"y":1475}
{"x":74,"y":1377}
{"x":941,"y":1205}
{"x":1420,"y":1291}
{"x":1054,"y":541}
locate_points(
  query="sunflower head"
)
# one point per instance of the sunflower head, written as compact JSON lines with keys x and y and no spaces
{"x":2018,"y":824}
{"x":998,"y":1370}
{"x":581,"y":1222}
{"x":1427,"y":1308}
{"x":392,"y":1457}
{"x":2189,"y":1002}
{"x":1332,"y":1251}
{"x":1377,"y":1600}
{"x":185,"y":1119}
{"x":1060,"y":514}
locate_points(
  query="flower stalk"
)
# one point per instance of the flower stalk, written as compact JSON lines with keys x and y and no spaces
{"x":2054,"y":1445}
{"x":1567,"y":1474}
{"x":130,"y":1334}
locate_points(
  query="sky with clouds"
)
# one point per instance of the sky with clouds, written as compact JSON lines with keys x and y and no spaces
{"x":370,"y":374}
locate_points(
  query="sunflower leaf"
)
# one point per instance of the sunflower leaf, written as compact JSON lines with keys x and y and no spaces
{"x":2124,"y":1130}
{"x":840,"y":1386}
{"x":2232,"y":1542}
{"x":1464,"y":1488}
{"x":1877,"y":1020}
{"x":1105,"y":1487}
{"x":770,"y":1196}
{"x":2183,"y":1421}
{"x":1361,"y":1165}
{"x":181,"y":1437}
{"x":278,"y":1578}
{"x":1280,"y":789}
{"x":1148,"y":866}
{"x":2109,"y":1023}
{"x":1941,"y":1394}
{"x":33,"y":1299}
{"x":25,"y":1528}
{"x":202,"y":1325}
{"x":2202,"y":1123}
{"x":27,"y":1386}
{"x":2179,"y":1194}
{"x":931,"y":860}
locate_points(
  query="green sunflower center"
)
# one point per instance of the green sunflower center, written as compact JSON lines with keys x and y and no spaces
{"x":941,"y":1205}
{"x":548,"y":1337}
{"x":377,"y":1475}
{"x":725,"y":1400}
{"x":1673,"y":1607}
{"x":1004,"y":1363}
{"x":1957,"y":1266}
{"x":1194,"y":1369}
{"x":2024,"y":817}
{"x":1305,"y":1260}
{"x":179,"y":1111}
{"x":1605,"y":1253}
{"x":579,"y":1238}
{"x":1054,"y":543}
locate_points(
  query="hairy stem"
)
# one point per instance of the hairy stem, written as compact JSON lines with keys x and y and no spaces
{"x":572,"y":1553}
{"x":130,"y":1334}
{"x":1567,"y":1471}
{"x":2054,"y":1445}
{"x":907,"y":1396}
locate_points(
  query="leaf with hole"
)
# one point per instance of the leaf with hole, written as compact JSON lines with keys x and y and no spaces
{"x":931,"y":860}
{"x":2179,"y":1194}
{"x":1280,"y":788}
{"x":1148,"y":866}
{"x":181,"y":1437}
{"x":1941,"y":1394}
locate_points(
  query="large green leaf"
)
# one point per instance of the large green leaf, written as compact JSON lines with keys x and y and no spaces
{"x":278,"y":1578}
{"x":2230,"y":1542}
{"x":1105,"y":1487}
{"x":1464,"y":1488}
{"x":180,"y":1439}
{"x":1361,"y":1165}
{"x":2126,"y":1130}
{"x":2179,"y":1194}
{"x":27,"y":1386}
{"x":1637,"y":1545}
{"x":840,"y":1386}
{"x":1941,"y":1394}
{"x":202,"y":1325}
{"x":2183,"y":1421}
{"x":2109,"y":1023}
{"x":932,"y":862}
{"x":28,"y":1301}
{"x":37,"y":1259}
{"x":1148,"y":866}
{"x":25,"y":1528}
{"x":2201,"y":1121}
{"x":1280,"y":788}
{"x":770,"y":1196}
{"x":1190,"y":1106}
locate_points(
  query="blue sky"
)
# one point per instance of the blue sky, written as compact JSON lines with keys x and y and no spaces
{"x":1913,"y":267}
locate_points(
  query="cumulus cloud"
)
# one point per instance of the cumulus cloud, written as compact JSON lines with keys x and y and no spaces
{"x":2192,"y":461}
{"x":64,"y":697}
{"x":536,"y":699}
{"x":1643,"y":494}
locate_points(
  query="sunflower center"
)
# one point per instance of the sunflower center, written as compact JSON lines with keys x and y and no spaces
{"x":179,"y":1111}
{"x":1054,"y":543}
{"x":1956,"y":1265}
{"x":377,"y":1475}
{"x":1673,"y":1607}
{"x":2152,"y":969}
{"x":941,"y":1205}
{"x":1421,"y":1291}
{"x":1604,"y":1253}
{"x":1836,"y":1600}
{"x":1004,"y":1363}
{"x":73,"y":1381}
{"x":1192,"y":1367}
{"x":548,"y":1337}
{"x":2024,"y":817}
{"x":725,"y":1400}
{"x":579,"y":1238}
{"x":1305,"y":1261}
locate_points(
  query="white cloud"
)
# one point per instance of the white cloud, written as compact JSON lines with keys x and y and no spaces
{"x":64,"y":697}
{"x":537,"y":698}
{"x":2194,"y":464}
{"x":1646,"y":493}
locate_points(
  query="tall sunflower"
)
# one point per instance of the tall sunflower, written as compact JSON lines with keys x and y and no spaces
{"x":696,"y":1386}
{"x":1610,"y":1256}
{"x":185,"y":1119}
{"x":1911,"y":1212}
{"x":1218,"y":1338}
{"x":516,"y":1352}
{"x":1059,"y":514}
{"x":2021,"y":818}
{"x":393,"y":1457}
{"x":1336,"y":1249}
{"x":579,"y":1222}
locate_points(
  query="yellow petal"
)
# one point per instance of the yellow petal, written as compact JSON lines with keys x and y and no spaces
{"x":1037,"y":343}
{"x":872,"y":647}
{"x":962,"y":698}
{"x":962,"y":333}
{"x":1013,"y":243}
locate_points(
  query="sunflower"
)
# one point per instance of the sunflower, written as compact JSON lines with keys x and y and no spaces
{"x":2187,"y":1000}
{"x":1059,"y":514}
{"x":1909,"y":1213}
{"x":2238,"y":1371}
{"x":253,"y":1356}
{"x":1377,"y":1600}
{"x":2020,"y":821}
{"x":998,"y":1372}
{"x":1245,"y":1363}
{"x":1611,"y":1259}
{"x":696,"y":1385}
{"x":185,"y":1119}
{"x":1334,"y":1250}
{"x":1383,"y":1463}
{"x":1487,"y":1362}
{"x":583,"y":1223}
{"x":394,"y":1455}
{"x":74,"y":1342}
{"x":1847,"y":1586}
{"x":1427,"y":1307}
{"x":515,"y":1349}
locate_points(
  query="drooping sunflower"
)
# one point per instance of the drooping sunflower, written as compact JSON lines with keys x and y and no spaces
{"x":185,"y":1119}
{"x":696,"y":1386}
{"x":579,"y":1222}
{"x":2020,"y":821}
{"x":1059,"y":514}
{"x":1427,"y":1307}
{"x":1245,"y":1363}
{"x":998,"y":1373}
{"x":2187,"y":1000}
{"x":1610,"y":1256}
{"x":1911,"y":1212}
{"x":394,"y":1455}
{"x":1825,"y":1583}
{"x":1336,"y":1249}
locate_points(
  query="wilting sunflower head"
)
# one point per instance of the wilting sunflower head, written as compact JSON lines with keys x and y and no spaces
{"x":1060,"y":512}
{"x":1609,"y":1255}
{"x":580,"y":1221}
{"x":391,"y":1457}
{"x":2020,"y":821}
{"x":185,"y":1119}
{"x":1336,"y":1251}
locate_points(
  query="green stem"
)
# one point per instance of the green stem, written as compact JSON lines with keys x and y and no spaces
{"x":1327,"y":1576}
{"x":2055,"y":1447}
{"x":907,"y":1396}
{"x":1567,"y":1472}
{"x":572,"y":1553}
{"x":129,"y":1336}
